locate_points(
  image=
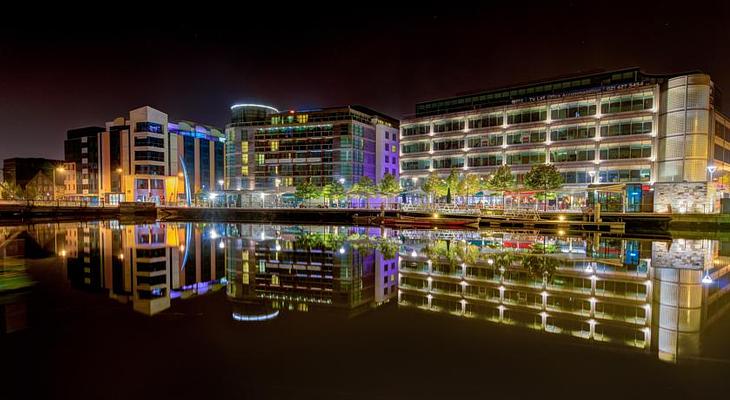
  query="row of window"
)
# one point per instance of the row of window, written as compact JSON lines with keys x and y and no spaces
{"x":149,"y":156}
{"x":149,"y":141}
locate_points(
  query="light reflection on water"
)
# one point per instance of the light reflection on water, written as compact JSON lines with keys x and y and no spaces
{"x":650,"y":296}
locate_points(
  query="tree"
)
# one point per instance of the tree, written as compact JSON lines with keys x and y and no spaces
{"x":468,"y":184}
{"x":334,"y":191}
{"x":501,"y":181}
{"x":10,"y":191}
{"x":543,"y":177}
{"x":364,"y":188}
{"x":452,"y":181}
{"x":389,"y":187}
{"x":306,"y":191}
{"x":434,"y":186}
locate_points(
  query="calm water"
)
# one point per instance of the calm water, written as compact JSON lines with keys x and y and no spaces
{"x":170,"y":310}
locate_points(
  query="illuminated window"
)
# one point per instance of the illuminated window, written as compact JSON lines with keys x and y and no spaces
{"x":276,"y":120}
{"x":274,"y":145}
{"x":260,"y":159}
{"x":244,"y":170}
{"x":394,"y":148}
{"x":303,"y":118}
{"x":274,"y":280}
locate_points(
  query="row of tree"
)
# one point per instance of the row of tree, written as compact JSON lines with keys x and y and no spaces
{"x":365,"y":188}
{"x":541,"y":177}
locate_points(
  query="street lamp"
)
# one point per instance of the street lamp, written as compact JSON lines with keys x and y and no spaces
{"x":591,"y":174}
{"x":711,"y":169}
{"x":277,"y":182}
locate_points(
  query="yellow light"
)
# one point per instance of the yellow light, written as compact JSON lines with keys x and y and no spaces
{"x":435,"y":215}
{"x":119,"y":170}
{"x":182,"y":247}
{"x":561,"y":232}
{"x":63,"y":253}
{"x":121,"y":256}
{"x":60,"y":169}
{"x":561,"y":217}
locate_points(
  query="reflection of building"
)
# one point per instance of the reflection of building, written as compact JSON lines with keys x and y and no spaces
{"x":272,"y":270}
{"x":268,"y":149}
{"x":601,"y":289}
{"x":147,"y":265}
{"x":656,"y":132}
{"x":146,"y":158}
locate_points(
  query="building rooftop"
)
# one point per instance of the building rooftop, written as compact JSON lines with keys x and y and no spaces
{"x":537,"y":90}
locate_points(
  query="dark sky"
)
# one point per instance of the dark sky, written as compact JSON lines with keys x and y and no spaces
{"x":84,"y":68}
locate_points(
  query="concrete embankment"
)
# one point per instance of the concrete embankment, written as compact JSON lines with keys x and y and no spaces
{"x":280,"y":215}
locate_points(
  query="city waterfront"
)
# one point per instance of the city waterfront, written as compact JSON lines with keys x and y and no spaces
{"x":315,"y":311}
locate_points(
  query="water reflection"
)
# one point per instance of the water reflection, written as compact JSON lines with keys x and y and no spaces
{"x":328,"y":268}
{"x":652,"y":296}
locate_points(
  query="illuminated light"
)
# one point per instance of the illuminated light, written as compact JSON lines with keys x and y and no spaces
{"x":63,"y":253}
{"x":264,"y":317}
{"x":291,"y":111}
{"x":561,"y":217}
{"x":429,"y":279}
{"x":263,"y":235}
{"x":465,"y":149}
{"x":589,"y":269}
{"x":414,"y":254}
{"x":463,"y":283}
{"x":213,"y":234}
{"x":119,"y":170}
{"x":593,"y":277}
{"x":342,"y":250}
{"x":596,"y":161}
{"x":430,"y":169}
{"x":543,"y":314}
{"x":463,"y":265}
{"x":428,"y":296}
{"x":504,"y":146}
{"x":592,"y":321}
{"x":212,"y":195}
{"x":501,"y":288}
{"x":707,"y":279}
{"x":592,"y":299}
{"x":465,"y":168}
{"x":561,"y":232}
{"x":544,"y":293}
{"x":462,"y":301}
{"x":220,"y":182}
{"x":263,"y":195}
{"x":255,"y":105}
{"x":221,"y":245}
{"x":490,"y":261}
{"x":435,"y":215}
{"x":501,"y":269}
{"x":121,"y":256}
{"x":430,"y":152}
{"x":278,"y":247}
{"x":646,"y":330}
{"x":501,"y":307}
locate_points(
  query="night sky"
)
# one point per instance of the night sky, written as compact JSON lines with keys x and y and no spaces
{"x":61,"y":72}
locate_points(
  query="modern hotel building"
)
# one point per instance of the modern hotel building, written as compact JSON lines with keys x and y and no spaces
{"x":268,"y":149}
{"x":146,"y":158}
{"x":659,"y":137}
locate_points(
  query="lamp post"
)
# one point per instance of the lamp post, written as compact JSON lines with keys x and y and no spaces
{"x":711,"y":169}
{"x":277,"y":182}
{"x":592,"y":174}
